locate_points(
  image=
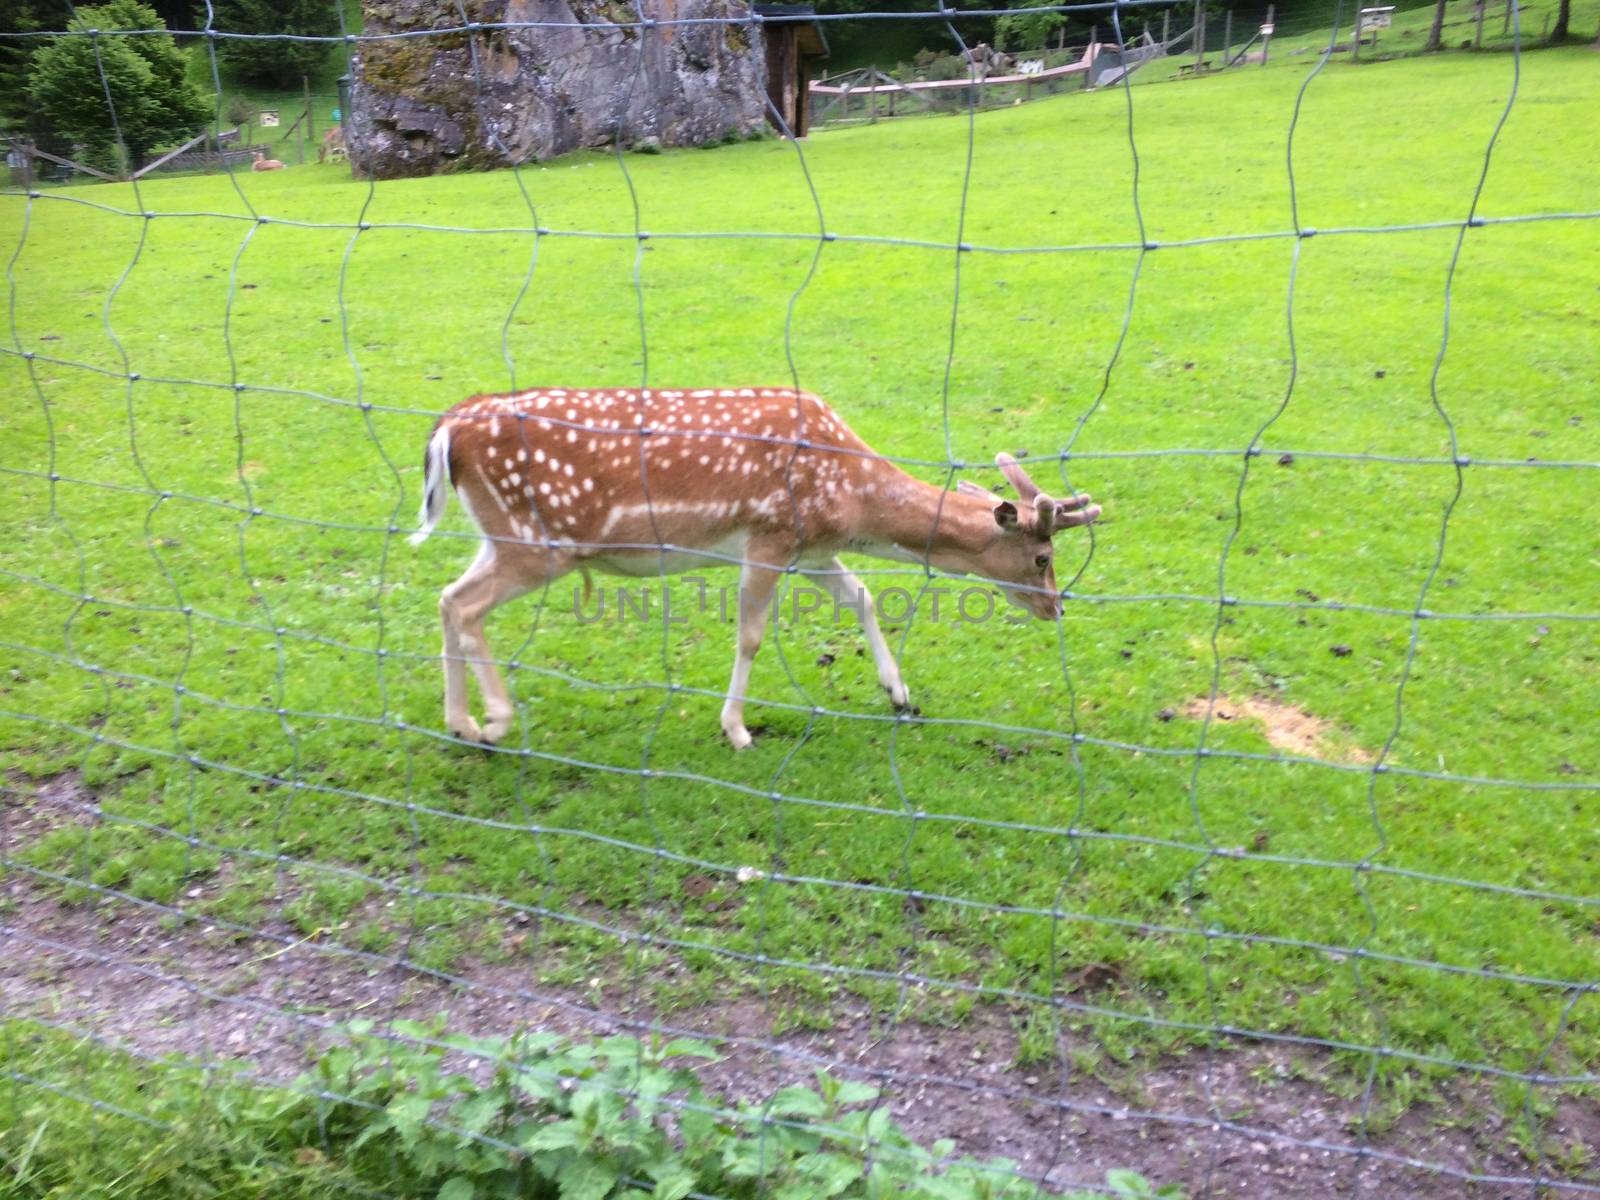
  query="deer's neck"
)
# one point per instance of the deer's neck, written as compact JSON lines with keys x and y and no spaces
{"x":907,"y":519}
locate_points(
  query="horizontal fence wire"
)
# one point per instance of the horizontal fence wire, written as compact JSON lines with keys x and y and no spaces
{"x":641,"y":939}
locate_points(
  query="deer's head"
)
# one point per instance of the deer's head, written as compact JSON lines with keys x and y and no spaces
{"x":1021,"y":555}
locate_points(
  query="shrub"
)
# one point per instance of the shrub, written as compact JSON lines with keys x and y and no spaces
{"x":151,"y":101}
{"x":433,"y":1115}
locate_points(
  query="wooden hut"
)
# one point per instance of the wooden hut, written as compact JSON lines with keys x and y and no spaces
{"x":794,"y":45}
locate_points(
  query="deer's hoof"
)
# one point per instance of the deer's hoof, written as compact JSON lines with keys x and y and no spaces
{"x":465,"y":728}
{"x":739,"y":736}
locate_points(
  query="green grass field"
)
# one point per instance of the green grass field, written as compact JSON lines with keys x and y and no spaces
{"x":1014,"y":822}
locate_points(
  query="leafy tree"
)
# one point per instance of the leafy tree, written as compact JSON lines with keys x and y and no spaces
{"x":70,"y":76}
{"x":16,"y":57}
{"x":274,"y":62}
{"x":1027,"y":30}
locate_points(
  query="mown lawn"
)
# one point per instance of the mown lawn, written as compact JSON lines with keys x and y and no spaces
{"x":139,"y":640}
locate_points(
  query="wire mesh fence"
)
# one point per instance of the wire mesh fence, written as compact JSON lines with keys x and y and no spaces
{"x":236,"y":833}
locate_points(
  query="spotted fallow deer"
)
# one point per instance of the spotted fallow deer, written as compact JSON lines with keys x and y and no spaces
{"x":652,"y":482}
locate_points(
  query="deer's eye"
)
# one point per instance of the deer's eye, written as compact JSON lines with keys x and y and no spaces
{"x":1042,"y":562}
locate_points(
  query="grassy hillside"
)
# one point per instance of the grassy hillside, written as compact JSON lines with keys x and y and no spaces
{"x":115,"y":591}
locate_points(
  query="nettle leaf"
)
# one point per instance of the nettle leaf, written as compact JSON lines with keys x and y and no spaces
{"x":476,"y":1114}
{"x":538,"y":1085}
{"x":697,"y":1127}
{"x":587,"y":1179}
{"x":851,"y":1091}
{"x":1130,"y":1185}
{"x":672,"y":1182}
{"x":492,"y":1048}
{"x":743,"y":1160}
{"x":830,"y":1173}
{"x":406,"y":1114}
{"x":688,"y":1048}
{"x":621,"y":1046}
{"x":458,"y":1187}
{"x":559,"y":1135}
{"x":798,"y":1102}
{"x":878,"y":1124}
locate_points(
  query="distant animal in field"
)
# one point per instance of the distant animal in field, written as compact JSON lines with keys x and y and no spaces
{"x":333,"y":145}
{"x":654,"y":482}
{"x":263,"y":163}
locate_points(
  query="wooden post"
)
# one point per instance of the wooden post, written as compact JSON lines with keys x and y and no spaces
{"x":1505,"y":27}
{"x":24,"y":152}
{"x":1199,"y":36}
{"x":1266,"y":39}
{"x":872,"y":96}
{"x":1477,"y":37}
{"x":311,"y":120}
{"x":1166,"y":25}
{"x":1227,"y":35}
{"x":1355,"y":42}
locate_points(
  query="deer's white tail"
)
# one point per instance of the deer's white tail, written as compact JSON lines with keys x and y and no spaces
{"x":435,"y":484}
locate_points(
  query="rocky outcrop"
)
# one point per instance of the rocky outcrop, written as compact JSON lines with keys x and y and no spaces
{"x":482,"y":98}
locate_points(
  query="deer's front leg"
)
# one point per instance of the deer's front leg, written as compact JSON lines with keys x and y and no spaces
{"x":757,"y":581}
{"x":850,"y":593}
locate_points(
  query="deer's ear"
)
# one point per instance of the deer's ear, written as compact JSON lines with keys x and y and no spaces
{"x":1005,"y":515}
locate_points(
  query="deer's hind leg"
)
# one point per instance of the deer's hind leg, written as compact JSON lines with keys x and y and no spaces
{"x":502,"y":571}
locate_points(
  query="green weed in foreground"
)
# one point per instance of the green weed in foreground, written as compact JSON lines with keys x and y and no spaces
{"x":425,"y":1113}
{"x":1114,"y":840}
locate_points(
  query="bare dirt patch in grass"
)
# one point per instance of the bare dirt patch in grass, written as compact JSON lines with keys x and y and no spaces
{"x":31,"y":808}
{"x":1288,"y":727}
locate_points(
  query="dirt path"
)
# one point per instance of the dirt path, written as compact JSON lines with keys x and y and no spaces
{"x":139,"y":979}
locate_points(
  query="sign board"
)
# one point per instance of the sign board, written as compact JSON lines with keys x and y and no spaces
{"x":1266,"y":30}
{"x":335,"y":115}
{"x":1376,"y":18}
{"x":269,"y":120}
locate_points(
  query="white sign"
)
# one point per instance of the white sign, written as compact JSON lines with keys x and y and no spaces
{"x":1266,"y":30}
{"x":1033,"y":66}
{"x":1375,"y":18}
{"x":269,"y":120}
